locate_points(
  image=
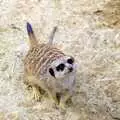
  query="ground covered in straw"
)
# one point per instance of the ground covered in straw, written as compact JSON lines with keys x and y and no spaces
{"x":88,"y":30}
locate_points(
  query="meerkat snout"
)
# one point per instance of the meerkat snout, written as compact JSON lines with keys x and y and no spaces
{"x":70,"y":69}
{"x":62,"y":67}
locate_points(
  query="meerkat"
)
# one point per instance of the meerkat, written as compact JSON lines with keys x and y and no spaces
{"x":48,"y":68}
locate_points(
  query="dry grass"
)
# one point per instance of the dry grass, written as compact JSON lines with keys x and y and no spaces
{"x":96,"y":49}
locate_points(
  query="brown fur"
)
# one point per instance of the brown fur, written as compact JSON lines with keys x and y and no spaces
{"x":39,"y":58}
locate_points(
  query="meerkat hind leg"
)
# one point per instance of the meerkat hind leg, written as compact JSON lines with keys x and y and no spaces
{"x":36,"y":93}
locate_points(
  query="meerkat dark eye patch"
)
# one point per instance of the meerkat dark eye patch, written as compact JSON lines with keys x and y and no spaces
{"x":51,"y":71}
{"x":60,"y":67}
{"x":70,"y":61}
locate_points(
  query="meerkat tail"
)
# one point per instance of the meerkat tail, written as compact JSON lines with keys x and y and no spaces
{"x":52,"y":35}
{"x":31,"y":35}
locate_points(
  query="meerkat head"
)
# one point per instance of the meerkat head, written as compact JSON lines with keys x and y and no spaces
{"x":62,"y":67}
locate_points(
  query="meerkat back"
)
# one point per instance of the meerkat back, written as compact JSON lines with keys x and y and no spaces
{"x":38,"y":58}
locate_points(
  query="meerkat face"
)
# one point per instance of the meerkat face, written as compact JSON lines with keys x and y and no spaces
{"x":62,"y":67}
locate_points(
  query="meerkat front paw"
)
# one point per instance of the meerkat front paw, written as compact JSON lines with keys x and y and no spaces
{"x":62,"y":105}
{"x":53,"y":96}
{"x":36,"y":93}
{"x":63,"y":99}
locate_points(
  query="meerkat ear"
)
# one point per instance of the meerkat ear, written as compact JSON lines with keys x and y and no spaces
{"x":51,"y":71}
{"x":31,"y":35}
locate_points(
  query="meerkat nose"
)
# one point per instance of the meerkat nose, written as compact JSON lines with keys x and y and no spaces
{"x":70,"y":69}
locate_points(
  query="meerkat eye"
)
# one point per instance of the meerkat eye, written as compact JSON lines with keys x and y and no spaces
{"x":60,"y":67}
{"x":70,"y":61}
{"x":51,"y":71}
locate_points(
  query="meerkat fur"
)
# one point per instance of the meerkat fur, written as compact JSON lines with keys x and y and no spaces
{"x":48,"y":68}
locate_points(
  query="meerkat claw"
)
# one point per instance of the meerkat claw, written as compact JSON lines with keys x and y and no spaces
{"x":56,"y":101}
{"x":62,"y":106}
{"x":36,"y":94}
